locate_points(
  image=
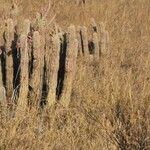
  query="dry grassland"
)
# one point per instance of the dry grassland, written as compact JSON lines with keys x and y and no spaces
{"x":110,"y":99}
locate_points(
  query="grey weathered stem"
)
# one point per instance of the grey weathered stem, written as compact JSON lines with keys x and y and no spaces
{"x":2,"y":90}
{"x":80,"y":52}
{"x":96,"y":46}
{"x":94,"y":25}
{"x":24,"y":80}
{"x":107,"y":42}
{"x":24,"y":65}
{"x":102,"y":38}
{"x":70,"y":67}
{"x":37,"y":75}
{"x":85,"y":41}
{"x":54,"y":67}
{"x":9,"y":37}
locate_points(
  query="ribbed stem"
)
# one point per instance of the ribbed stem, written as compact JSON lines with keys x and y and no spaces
{"x":107,"y":42}
{"x":79,"y":37}
{"x":70,"y":66}
{"x":9,"y":37}
{"x":2,"y":89}
{"x":93,"y":25}
{"x":85,"y":47}
{"x":103,"y":38}
{"x":54,"y":67}
{"x":37,"y":75}
{"x":96,"y":46}
{"x":24,"y":78}
{"x":24,"y":65}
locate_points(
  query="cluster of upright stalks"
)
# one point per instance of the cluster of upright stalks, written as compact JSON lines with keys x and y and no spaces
{"x":93,"y":42}
{"x":37,"y":59}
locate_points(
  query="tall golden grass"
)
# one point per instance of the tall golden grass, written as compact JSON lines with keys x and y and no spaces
{"x":109,"y":106}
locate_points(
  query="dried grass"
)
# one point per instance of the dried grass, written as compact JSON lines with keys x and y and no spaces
{"x":109,"y":107}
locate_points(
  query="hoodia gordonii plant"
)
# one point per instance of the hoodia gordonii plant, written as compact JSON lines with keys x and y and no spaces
{"x":37,"y":72}
{"x":54,"y":67}
{"x":84,"y":38}
{"x":107,"y":42}
{"x":93,"y":25}
{"x":95,"y":39}
{"x":104,"y":39}
{"x":24,"y":76}
{"x":40,"y":24}
{"x":70,"y":66}
{"x":9,"y":37}
{"x":100,"y":38}
{"x":79,"y":37}
{"x":2,"y":89}
{"x":26,"y":30}
{"x":96,"y":46}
